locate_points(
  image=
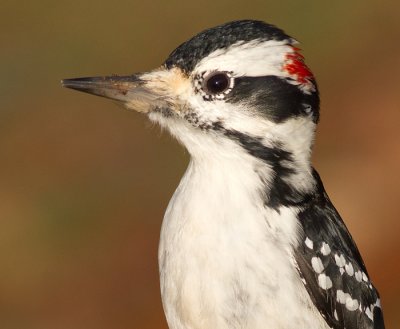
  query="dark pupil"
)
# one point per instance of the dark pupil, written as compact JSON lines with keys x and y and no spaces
{"x":217,"y":83}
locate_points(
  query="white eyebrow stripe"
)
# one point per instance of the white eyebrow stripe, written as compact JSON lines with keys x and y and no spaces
{"x":251,"y":59}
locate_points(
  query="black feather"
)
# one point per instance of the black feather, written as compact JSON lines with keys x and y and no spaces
{"x":187,"y":55}
{"x":274,"y":97}
{"x":321,"y":223}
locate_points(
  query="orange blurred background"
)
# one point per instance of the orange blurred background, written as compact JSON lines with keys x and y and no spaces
{"x":84,"y":184}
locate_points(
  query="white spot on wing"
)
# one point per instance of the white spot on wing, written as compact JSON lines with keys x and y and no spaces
{"x":369,"y":313}
{"x":349,"y":269}
{"x":336,"y":316}
{"x":358,"y":276}
{"x":351,"y":304}
{"x":342,"y":296}
{"x":364,"y":277}
{"x":317,"y":264}
{"x":341,"y":270}
{"x":309,"y":243}
{"x":325,"y":249}
{"x":340,"y":261}
{"x":324,"y":281}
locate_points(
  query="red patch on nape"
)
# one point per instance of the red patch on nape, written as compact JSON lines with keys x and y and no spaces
{"x":296,"y":67}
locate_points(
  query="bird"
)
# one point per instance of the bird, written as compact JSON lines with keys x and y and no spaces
{"x":250,"y":238}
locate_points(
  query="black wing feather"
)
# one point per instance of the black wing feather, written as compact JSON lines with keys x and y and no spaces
{"x":348,"y":300}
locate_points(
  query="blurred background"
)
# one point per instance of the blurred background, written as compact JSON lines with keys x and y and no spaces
{"x":84,"y":183}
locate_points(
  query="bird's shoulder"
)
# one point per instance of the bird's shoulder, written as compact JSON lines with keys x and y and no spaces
{"x":332,"y":268}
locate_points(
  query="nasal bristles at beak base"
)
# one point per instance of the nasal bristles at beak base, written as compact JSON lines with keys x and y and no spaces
{"x":142,"y":92}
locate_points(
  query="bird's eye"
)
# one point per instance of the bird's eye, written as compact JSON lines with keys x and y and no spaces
{"x":217,"y":83}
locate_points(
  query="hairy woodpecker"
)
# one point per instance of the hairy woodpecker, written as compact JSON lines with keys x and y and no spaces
{"x":250,"y":238}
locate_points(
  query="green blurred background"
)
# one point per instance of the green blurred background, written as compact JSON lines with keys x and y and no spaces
{"x":84,"y":184}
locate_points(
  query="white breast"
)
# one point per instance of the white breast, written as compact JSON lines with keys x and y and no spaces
{"x":225,"y":259}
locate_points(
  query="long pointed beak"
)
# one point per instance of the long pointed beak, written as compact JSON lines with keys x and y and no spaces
{"x":114,"y":87}
{"x":133,"y":91}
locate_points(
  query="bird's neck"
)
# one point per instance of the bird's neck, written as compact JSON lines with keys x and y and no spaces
{"x":281,"y":172}
{"x":275,"y":158}
{"x":229,"y":202}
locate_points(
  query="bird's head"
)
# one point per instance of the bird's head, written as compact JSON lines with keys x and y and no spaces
{"x":244,"y":82}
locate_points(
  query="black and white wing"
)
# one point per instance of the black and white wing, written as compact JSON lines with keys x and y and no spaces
{"x":332,"y":269}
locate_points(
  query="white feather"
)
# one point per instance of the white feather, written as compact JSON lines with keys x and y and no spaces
{"x":247,"y":59}
{"x":225,"y":259}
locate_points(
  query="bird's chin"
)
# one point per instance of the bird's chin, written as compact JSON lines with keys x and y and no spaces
{"x":165,"y":112}
{"x":164,"y":116}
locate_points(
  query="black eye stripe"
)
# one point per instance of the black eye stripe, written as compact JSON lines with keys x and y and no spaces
{"x":274,"y":97}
